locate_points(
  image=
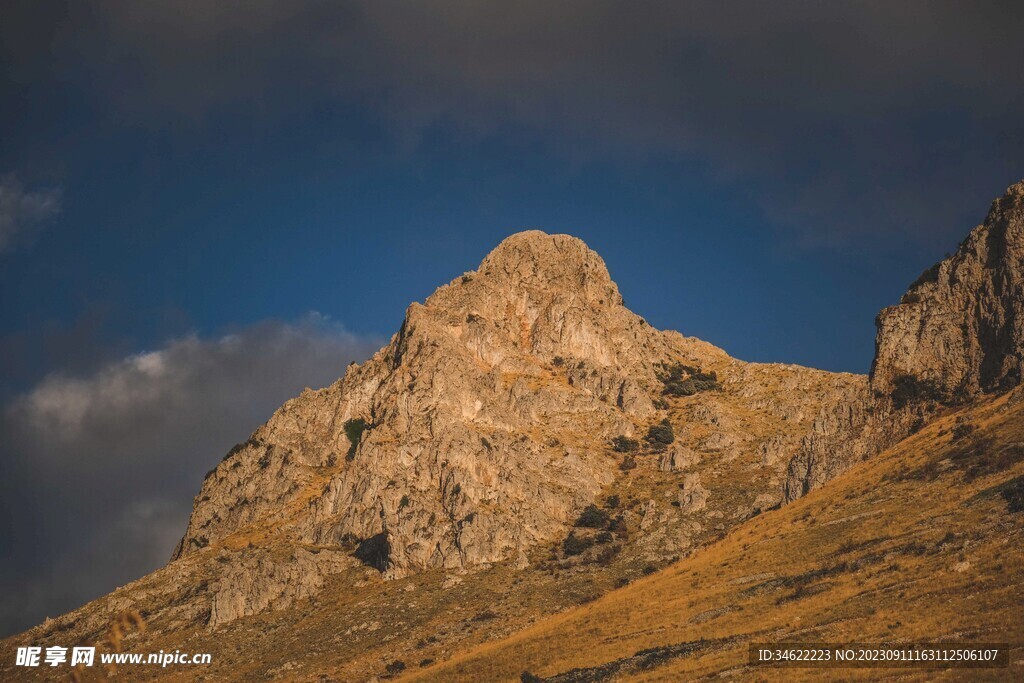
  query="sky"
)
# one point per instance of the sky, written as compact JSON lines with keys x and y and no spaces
{"x":205,"y":207}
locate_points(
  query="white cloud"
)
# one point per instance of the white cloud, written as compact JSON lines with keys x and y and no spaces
{"x":22,"y":210}
{"x":100,"y":469}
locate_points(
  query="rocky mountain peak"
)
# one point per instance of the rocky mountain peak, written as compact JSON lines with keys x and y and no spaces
{"x":533,"y":260}
{"x":547,"y":296}
{"x":959,"y":330}
{"x":477,"y":433}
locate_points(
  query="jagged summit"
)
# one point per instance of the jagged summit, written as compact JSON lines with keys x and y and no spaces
{"x":959,"y":330}
{"x":956,"y":335}
{"x":546,"y":296}
{"x":485,"y":422}
{"x":482,"y":428}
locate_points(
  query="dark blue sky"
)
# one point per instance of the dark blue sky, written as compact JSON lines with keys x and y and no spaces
{"x":765,"y":178}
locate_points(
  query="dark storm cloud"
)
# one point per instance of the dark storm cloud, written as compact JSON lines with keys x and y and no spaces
{"x":23,"y":210}
{"x":841,"y":120}
{"x":107,"y":464}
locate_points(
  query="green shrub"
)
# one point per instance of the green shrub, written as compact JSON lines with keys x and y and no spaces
{"x":686,"y":380}
{"x":404,"y":502}
{"x":612,"y":502}
{"x":628,"y":463}
{"x":527,"y":677}
{"x":574,"y":545}
{"x":592,"y":518}
{"x":661,"y":434}
{"x":395,"y":667}
{"x":354,"y":429}
{"x":624,"y":444}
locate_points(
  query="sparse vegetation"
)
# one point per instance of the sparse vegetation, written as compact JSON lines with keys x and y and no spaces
{"x":396,"y":667}
{"x":624,"y":444}
{"x":354,"y":429}
{"x":486,"y":615}
{"x":628,"y":463}
{"x":962,"y":429}
{"x":558,"y":361}
{"x":1013,"y":493}
{"x":661,"y":434}
{"x":574,"y":545}
{"x":685,"y":380}
{"x":592,"y":517}
{"x":612,"y":502}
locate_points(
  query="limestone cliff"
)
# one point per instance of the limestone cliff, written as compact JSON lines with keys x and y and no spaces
{"x":956,"y":334}
{"x":959,"y":330}
{"x":485,"y":420}
{"x":484,"y":427}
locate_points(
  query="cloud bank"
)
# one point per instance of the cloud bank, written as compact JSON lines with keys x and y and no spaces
{"x":99,"y":470}
{"x":845,"y":123}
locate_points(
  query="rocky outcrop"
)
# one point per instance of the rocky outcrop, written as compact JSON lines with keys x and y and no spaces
{"x":956,"y":334}
{"x":693,"y":497}
{"x":261,"y":581}
{"x":677,"y":458}
{"x":482,"y":425}
{"x":959,"y":330}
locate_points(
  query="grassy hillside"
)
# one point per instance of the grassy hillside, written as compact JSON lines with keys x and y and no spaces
{"x":922,"y":543}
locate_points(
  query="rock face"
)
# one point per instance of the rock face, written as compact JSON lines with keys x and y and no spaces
{"x":485,"y":427}
{"x":485,"y":418}
{"x":956,"y":334}
{"x":959,"y":331}
{"x":262,"y":581}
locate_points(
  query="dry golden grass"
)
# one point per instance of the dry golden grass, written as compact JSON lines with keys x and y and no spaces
{"x":916,"y":544}
{"x":877,"y":537}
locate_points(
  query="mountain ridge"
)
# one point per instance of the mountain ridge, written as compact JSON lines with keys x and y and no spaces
{"x":523,"y":426}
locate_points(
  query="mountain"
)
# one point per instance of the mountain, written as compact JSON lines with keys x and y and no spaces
{"x":525,"y":444}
